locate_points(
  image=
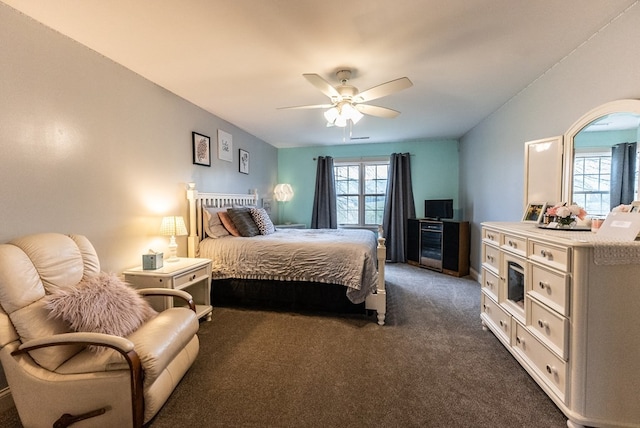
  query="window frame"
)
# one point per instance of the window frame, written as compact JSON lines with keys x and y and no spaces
{"x":361,"y":195}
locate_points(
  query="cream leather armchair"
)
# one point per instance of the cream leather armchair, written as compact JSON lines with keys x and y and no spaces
{"x":54,"y":378}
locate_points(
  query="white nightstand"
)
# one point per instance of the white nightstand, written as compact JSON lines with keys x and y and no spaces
{"x":188,"y":274}
{"x":291,"y":226}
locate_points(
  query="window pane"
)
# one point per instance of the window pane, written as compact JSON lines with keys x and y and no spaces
{"x":374,"y":209}
{"x":347,"y":209}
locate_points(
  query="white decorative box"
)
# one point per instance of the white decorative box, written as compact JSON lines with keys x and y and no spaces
{"x":151,"y":261}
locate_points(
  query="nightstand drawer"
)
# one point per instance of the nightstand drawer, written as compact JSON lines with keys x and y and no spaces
{"x":189,"y":278}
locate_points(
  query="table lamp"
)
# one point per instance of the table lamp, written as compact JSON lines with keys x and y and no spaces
{"x":173,"y":226}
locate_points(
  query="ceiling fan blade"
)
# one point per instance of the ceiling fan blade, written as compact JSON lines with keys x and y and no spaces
{"x":383,"y":90}
{"x":306,"y":107}
{"x":324,"y":86}
{"x":377,"y":111}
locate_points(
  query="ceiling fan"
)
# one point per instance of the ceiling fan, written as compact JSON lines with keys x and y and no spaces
{"x":347,"y":103}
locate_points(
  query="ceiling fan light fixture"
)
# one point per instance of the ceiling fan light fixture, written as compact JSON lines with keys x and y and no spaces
{"x":331,"y":115}
{"x":340,"y":121}
{"x":355,"y":115}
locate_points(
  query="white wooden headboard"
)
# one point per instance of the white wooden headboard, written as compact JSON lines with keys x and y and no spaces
{"x":197,"y":200}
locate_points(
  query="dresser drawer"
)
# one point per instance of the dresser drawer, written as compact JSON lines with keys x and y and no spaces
{"x":491,"y":236}
{"x":188,"y":278}
{"x":550,"y":287}
{"x":496,"y":318}
{"x":550,"y":327}
{"x":515,"y":244}
{"x":550,"y":255}
{"x":491,"y":257}
{"x":548,"y":366}
{"x":490,"y":283}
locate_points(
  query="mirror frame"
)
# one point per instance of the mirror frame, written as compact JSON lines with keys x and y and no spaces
{"x":619,"y":106}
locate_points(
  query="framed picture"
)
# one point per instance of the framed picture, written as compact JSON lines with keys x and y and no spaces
{"x":534,"y":212}
{"x":201,"y":149}
{"x":225,"y":146}
{"x":244,"y":161}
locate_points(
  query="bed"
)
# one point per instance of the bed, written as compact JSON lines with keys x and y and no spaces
{"x":347,"y":261}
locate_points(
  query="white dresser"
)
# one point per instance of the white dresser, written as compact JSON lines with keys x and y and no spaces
{"x":566,"y":304}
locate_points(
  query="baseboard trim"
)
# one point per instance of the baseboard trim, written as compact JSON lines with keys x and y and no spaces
{"x":474,"y":274}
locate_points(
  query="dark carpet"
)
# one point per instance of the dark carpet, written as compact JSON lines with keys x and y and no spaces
{"x":431,"y":365}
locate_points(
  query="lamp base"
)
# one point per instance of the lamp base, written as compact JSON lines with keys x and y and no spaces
{"x":173,"y":250}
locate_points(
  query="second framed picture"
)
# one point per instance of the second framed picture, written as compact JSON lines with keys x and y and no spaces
{"x":244,"y":161}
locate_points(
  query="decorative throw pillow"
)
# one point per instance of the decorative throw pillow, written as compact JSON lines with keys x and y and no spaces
{"x":228,"y":223}
{"x":243,"y":221}
{"x":100,"y":304}
{"x":262,"y":220}
{"x":213,"y":227}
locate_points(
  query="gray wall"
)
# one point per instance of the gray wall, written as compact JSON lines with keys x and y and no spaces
{"x":603,"y":69}
{"x":90,"y":147}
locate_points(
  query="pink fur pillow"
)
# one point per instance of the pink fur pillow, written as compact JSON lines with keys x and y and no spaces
{"x":100,"y":304}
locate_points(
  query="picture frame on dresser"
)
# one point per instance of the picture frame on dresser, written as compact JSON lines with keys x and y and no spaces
{"x":534,"y":212}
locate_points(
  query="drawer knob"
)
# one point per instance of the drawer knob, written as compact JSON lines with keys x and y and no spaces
{"x":489,"y":284}
{"x":552,"y":370}
{"x":490,"y":258}
{"x":543,"y":285}
{"x":543,"y":324}
{"x":486,"y":309}
{"x":512,"y":244}
{"x":519,"y":341}
{"x":490,"y":237}
{"x":546,"y":253}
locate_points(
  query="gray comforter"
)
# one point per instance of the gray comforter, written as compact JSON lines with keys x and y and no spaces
{"x":338,"y":256}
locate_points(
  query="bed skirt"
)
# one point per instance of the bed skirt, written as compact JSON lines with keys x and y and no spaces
{"x":283,"y":295}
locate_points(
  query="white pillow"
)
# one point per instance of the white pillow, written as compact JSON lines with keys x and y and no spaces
{"x":213,"y":227}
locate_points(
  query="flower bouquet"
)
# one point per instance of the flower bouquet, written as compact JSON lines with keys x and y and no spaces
{"x":565,"y":215}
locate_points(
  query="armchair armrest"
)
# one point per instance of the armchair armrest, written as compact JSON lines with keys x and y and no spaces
{"x":169,"y":292}
{"x":120,"y":344}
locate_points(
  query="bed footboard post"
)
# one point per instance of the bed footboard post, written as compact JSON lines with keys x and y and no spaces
{"x":192,"y":239}
{"x":381,"y":289}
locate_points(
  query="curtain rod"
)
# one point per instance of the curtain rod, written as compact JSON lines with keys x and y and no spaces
{"x":363,"y":158}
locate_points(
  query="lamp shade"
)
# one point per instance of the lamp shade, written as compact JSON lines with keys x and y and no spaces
{"x":173,"y":226}
{"x":283,"y":192}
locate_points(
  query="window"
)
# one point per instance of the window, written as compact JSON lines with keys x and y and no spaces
{"x":361,"y":189}
{"x":591,"y":181}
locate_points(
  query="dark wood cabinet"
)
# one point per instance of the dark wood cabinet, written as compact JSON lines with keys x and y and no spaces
{"x":441,"y":245}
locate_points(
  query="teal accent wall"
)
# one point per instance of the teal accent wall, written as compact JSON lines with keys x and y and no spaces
{"x":434,"y":173}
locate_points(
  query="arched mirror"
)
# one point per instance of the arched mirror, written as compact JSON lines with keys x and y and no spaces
{"x":601,"y":157}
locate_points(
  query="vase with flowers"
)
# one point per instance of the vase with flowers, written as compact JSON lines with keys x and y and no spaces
{"x":565,"y":215}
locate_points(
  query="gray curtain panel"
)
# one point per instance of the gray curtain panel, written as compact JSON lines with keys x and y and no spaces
{"x":623,"y":174}
{"x":324,"y":215}
{"x":399,"y":206}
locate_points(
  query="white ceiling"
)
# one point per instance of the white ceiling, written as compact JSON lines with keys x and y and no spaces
{"x":242,"y":59}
